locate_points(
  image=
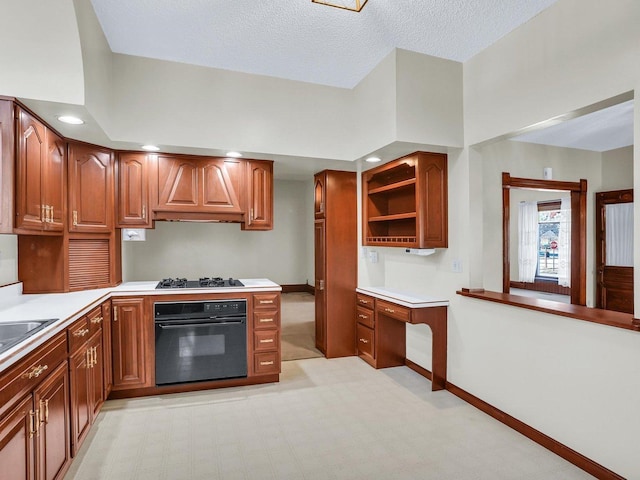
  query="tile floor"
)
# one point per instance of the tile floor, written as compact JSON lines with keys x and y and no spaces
{"x":326,"y":419}
{"x":297,"y":326}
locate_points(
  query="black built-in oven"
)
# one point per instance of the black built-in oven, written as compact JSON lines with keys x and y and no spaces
{"x":199,"y":341}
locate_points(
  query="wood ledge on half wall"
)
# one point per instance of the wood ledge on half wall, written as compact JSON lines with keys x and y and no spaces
{"x":578,"y":312}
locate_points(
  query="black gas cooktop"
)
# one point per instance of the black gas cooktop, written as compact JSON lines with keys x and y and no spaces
{"x":204,"y":282}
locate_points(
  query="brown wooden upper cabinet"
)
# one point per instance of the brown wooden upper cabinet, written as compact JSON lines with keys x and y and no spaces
{"x":259,"y":195}
{"x":405,"y":202}
{"x":91,"y":188}
{"x":197,"y":187}
{"x":40,"y":177}
{"x":6,"y":166}
{"x":133,"y":190}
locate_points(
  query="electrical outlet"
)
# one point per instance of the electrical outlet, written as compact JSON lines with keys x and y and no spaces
{"x":373,"y":256}
{"x":456,"y":265}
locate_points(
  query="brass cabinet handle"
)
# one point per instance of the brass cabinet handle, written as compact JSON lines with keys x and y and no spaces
{"x":75,"y":218}
{"x":44,"y":213}
{"x":81,"y":333}
{"x":35,"y":371}
{"x":265,"y":301}
{"x":115,"y":314}
{"x":251,"y":214}
{"x":44,"y":411}
{"x":267,"y":363}
{"x":33,"y":423}
{"x":95,"y":355}
{"x":390,"y":310}
{"x":266,"y":320}
{"x":321,"y":284}
{"x":144,"y":211}
{"x":51,"y":213}
{"x":88,"y":355}
{"x":363,"y":301}
{"x":97,"y":320}
{"x":267,"y":340}
{"x":363,"y":316}
{"x":363,"y":340}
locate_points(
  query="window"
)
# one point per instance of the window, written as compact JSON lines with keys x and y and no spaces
{"x":573,"y":272}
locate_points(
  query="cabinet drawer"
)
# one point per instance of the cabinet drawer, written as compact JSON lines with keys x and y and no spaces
{"x":266,"y":363}
{"x":366,"y":340}
{"x":364,"y":316}
{"x":78,"y":334}
{"x":365,"y":301}
{"x":394,"y":310}
{"x":266,"y":300}
{"x":95,"y":319}
{"x":267,"y":319}
{"x":266,"y":340}
{"x":28,"y":373}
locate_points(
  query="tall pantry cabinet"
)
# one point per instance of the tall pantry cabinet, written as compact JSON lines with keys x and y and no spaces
{"x":335,"y":204}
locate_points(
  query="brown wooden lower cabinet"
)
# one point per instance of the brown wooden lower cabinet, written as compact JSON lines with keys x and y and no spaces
{"x":35,"y":427}
{"x":130,"y":336}
{"x":86,"y":368}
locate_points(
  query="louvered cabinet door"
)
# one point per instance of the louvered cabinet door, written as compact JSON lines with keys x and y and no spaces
{"x":89,"y":263}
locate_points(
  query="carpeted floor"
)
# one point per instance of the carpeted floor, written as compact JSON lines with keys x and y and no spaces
{"x":298,"y":326}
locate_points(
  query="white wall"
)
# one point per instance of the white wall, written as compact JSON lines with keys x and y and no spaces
{"x":8,"y":259}
{"x":560,"y":376}
{"x":526,"y":160}
{"x":617,"y":169}
{"x":40,"y":54}
{"x":194,"y":250}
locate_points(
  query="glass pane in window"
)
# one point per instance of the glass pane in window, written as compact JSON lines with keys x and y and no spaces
{"x":548,"y":228}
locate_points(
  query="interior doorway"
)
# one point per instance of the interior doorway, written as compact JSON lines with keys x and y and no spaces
{"x":614,"y":250}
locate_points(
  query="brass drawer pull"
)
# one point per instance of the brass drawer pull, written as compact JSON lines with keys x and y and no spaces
{"x":364,"y":340}
{"x":262,"y":302}
{"x":266,"y":320}
{"x":266,"y":363}
{"x":97,"y":320}
{"x":268,"y":340}
{"x":390,"y":310}
{"x":363,"y":316}
{"x":81,"y":333}
{"x":75,"y":218}
{"x":365,"y":302}
{"x":35,"y":372}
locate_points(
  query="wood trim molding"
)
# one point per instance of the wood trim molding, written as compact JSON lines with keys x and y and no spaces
{"x":531,"y":433}
{"x":542,"y":286}
{"x":537,"y":436}
{"x":421,"y":370}
{"x":578,"y":312}
{"x":298,"y":287}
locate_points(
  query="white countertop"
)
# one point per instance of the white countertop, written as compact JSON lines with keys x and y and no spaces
{"x":403,"y":298}
{"x":68,"y":307}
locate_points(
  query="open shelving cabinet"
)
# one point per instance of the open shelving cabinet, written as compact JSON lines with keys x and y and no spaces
{"x":405,"y":202}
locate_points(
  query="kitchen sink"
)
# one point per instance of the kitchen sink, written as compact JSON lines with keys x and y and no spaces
{"x":12,"y":333}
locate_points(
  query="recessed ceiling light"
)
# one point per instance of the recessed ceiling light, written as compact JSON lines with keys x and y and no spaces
{"x":373,"y":160}
{"x":234,"y":154}
{"x":71,"y":120}
{"x":150,"y":148}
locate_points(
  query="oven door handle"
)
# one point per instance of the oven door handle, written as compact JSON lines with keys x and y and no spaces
{"x":209,"y":324}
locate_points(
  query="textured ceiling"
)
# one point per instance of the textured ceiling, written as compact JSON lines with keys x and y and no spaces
{"x":600,"y":131}
{"x":301,"y":40}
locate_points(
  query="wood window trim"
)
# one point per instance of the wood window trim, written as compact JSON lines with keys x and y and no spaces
{"x":578,"y":192}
